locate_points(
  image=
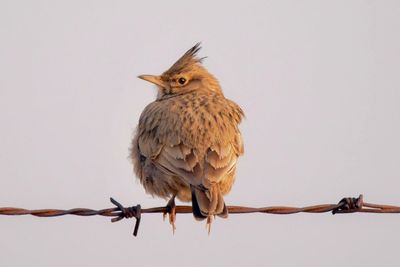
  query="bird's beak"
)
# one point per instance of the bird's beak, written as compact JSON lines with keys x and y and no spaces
{"x":153,"y":79}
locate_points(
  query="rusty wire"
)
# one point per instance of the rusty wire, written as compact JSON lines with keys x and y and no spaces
{"x":346,"y":205}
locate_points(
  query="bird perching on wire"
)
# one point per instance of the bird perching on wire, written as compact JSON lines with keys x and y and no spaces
{"x":187,"y":142}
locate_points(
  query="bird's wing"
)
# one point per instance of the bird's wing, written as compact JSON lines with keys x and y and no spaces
{"x":182,"y":161}
{"x":197,"y":169}
{"x":219,"y":161}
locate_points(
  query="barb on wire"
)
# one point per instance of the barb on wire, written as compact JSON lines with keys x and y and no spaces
{"x":346,"y":205}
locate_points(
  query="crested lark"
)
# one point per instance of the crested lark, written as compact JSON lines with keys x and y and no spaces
{"x":187,"y":142}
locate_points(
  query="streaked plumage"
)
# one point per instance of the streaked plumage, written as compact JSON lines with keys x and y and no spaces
{"x":187,"y":141}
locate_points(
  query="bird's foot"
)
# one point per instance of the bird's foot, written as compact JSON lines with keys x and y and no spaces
{"x":171,"y":210}
{"x":209,"y":222}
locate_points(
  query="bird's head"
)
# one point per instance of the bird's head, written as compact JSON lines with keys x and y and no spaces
{"x":185,"y":75}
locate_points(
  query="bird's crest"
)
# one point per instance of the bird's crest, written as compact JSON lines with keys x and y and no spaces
{"x":188,"y":59}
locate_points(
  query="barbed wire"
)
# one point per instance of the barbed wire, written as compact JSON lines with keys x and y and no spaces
{"x":346,"y":205}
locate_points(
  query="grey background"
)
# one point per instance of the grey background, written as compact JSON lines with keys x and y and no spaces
{"x":318,"y":80}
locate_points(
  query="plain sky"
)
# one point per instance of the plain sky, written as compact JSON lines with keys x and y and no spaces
{"x":318,"y":80}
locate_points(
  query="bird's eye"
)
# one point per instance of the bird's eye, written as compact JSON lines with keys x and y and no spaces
{"x":182,"y":81}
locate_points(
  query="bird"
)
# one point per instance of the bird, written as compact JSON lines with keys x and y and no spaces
{"x":187,"y":142}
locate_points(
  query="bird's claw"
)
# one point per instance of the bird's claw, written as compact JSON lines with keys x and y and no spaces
{"x":171,"y":210}
{"x":209,"y":222}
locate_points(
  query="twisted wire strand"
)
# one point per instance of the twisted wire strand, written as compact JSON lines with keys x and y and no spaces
{"x":346,"y":205}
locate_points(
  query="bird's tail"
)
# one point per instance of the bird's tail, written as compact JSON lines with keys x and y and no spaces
{"x":206,"y":202}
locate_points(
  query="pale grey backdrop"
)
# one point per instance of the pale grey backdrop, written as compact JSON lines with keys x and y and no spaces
{"x":319,"y":82}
